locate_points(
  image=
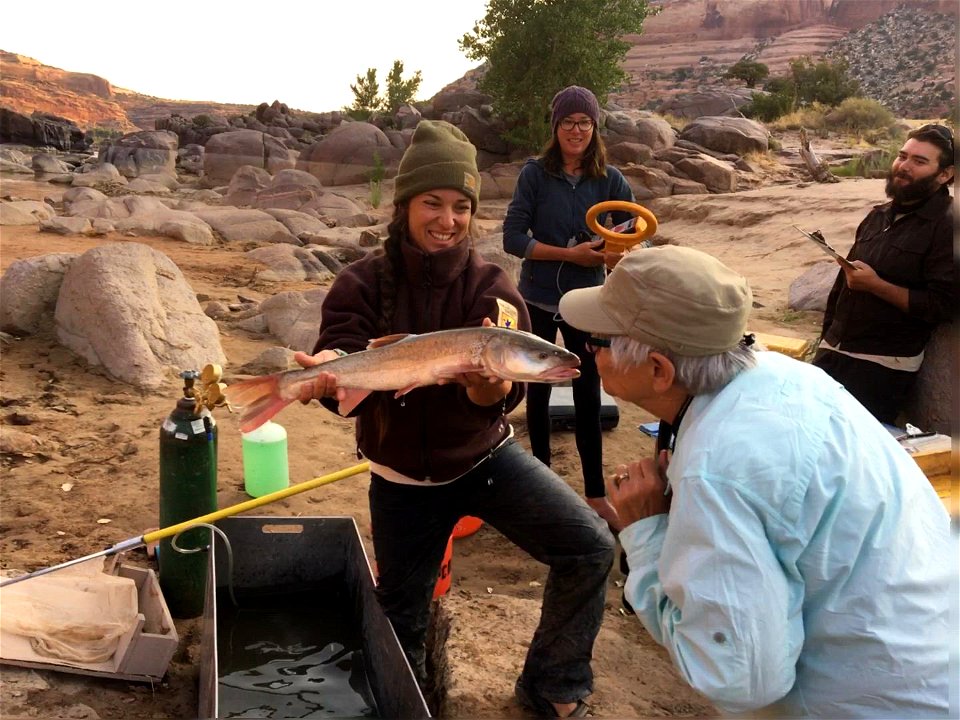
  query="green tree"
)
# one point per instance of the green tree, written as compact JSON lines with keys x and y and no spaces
{"x":767,"y":107}
{"x":779,"y":98}
{"x":365,"y":96}
{"x":534,"y":48}
{"x":826,"y":82}
{"x":400,"y":91}
{"x":750,"y":71}
{"x":823,"y":82}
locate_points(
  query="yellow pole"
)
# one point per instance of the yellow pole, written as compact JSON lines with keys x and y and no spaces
{"x":256,"y":502}
{"x":135,"y":542}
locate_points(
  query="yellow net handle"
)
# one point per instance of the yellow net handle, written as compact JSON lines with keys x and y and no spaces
{"x":645,"y":227}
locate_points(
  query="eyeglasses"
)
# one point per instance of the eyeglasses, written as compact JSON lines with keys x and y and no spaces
{"x":569,"y":123}
{"x":941,"y":130}
{"x":595,"y":343}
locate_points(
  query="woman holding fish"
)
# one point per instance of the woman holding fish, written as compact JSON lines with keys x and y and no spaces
{"x":439,"y":452}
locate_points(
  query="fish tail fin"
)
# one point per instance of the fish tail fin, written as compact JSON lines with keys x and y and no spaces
{"x":258,"y":399}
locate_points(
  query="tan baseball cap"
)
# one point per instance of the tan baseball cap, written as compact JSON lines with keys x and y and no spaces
{"x":669,"y":297}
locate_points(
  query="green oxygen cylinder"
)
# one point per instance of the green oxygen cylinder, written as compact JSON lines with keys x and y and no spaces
{"x":188,"y":489}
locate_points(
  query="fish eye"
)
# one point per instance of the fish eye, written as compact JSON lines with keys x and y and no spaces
{"x":544,"y":356}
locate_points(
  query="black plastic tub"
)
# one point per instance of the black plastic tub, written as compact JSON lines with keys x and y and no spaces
{"x":306,"y":637}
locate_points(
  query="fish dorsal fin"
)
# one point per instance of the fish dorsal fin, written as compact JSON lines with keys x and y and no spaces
{"x":388,"y":340}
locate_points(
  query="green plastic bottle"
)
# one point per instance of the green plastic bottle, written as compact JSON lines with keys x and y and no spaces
{"x":188,"y":489}
{"x":265,"y":465}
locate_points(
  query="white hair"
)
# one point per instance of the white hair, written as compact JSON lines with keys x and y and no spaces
{"x":699,"y":375}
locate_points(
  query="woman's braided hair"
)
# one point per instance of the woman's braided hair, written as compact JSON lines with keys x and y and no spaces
{"x":388,"y":280}
{"x":393,"y":268}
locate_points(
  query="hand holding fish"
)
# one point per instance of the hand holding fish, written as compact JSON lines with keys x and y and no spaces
{"x":482,"y":387}
{"x":325,"y":384}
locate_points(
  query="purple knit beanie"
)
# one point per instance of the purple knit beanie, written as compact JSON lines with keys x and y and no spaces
{"x":574,"y":99}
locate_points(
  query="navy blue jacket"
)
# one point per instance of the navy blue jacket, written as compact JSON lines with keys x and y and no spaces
{"x":548,"y":209}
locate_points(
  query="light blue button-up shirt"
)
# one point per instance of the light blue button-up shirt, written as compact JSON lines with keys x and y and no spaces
{"x":805,"y":566}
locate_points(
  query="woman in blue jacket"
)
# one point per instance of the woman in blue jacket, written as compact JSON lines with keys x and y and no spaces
{"x":546,"y":226}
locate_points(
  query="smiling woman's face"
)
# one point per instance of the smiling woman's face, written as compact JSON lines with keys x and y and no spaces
{"x":438,"y":219}
{"x":575,"y":141}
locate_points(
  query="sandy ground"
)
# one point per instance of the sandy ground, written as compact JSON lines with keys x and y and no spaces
{"x":102,"y":436}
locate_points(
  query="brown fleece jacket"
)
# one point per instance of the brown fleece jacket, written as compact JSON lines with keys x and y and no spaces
{"x":433,"y":433}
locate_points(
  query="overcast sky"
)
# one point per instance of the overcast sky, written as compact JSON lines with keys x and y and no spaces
{"x":300,"y":52}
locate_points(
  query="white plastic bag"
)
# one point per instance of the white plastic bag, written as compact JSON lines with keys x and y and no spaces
{"x":77,"y":614}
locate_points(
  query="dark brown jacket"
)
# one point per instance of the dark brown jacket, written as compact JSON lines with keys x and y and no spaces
{"x":433,"y":433}
{"x":915,"y":252}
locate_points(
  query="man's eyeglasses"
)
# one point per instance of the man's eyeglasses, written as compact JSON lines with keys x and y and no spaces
{"x":941,"y":130}
{"x":595,"y":343}
{"x":569,"y":123}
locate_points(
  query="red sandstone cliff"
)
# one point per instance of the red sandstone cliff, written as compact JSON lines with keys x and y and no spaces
{"x":690,"y":41}
{"x":90,"y":101}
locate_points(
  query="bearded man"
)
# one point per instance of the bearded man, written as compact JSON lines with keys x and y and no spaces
{"x":881,"y":314}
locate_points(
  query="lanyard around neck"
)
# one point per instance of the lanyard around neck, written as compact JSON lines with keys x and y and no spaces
{"x":667,"y":432}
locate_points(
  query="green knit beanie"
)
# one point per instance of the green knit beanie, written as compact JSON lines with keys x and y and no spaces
{"x":439,"y":156}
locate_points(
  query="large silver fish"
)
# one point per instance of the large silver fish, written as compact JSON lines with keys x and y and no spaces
{"x":405,"y":362}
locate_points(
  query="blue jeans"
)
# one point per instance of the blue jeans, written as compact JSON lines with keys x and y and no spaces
{"x":526,"y":501}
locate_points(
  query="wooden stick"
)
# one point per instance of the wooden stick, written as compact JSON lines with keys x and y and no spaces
{"x":818,"y":168}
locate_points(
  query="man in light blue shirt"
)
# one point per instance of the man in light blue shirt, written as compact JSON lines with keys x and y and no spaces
{"x":788,"y":553}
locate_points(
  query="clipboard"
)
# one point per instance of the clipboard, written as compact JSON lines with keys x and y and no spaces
{"x":817,"y":237}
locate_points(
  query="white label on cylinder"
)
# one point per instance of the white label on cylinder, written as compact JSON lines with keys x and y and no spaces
{"x":181,"y":436}
{"x":169,"y":425}
{"x":198,"y":428}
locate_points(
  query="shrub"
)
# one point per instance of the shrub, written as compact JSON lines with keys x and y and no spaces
{"x":859,"y":114}
{"x":767,"y":107}
{"x":675,"y":121}
{"x":873,"y":164}
{"x":202,"y":121}
{"x":764,"y":159}
{"x":812,"y":117}
{"x":882,"y":136}
{"x":379,"y":171}
{"x":376,"y":178}
{"x":100,"y":134}
{"x":375,"y":193}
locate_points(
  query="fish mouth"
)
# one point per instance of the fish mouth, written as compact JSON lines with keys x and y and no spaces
{"x":559,"y":373}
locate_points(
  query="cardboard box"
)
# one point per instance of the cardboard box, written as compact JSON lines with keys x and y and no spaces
{"x":934,"y":455}
{"x":931,"y":453}
{"x":793,"y":347}
{"x":143,"y":653}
